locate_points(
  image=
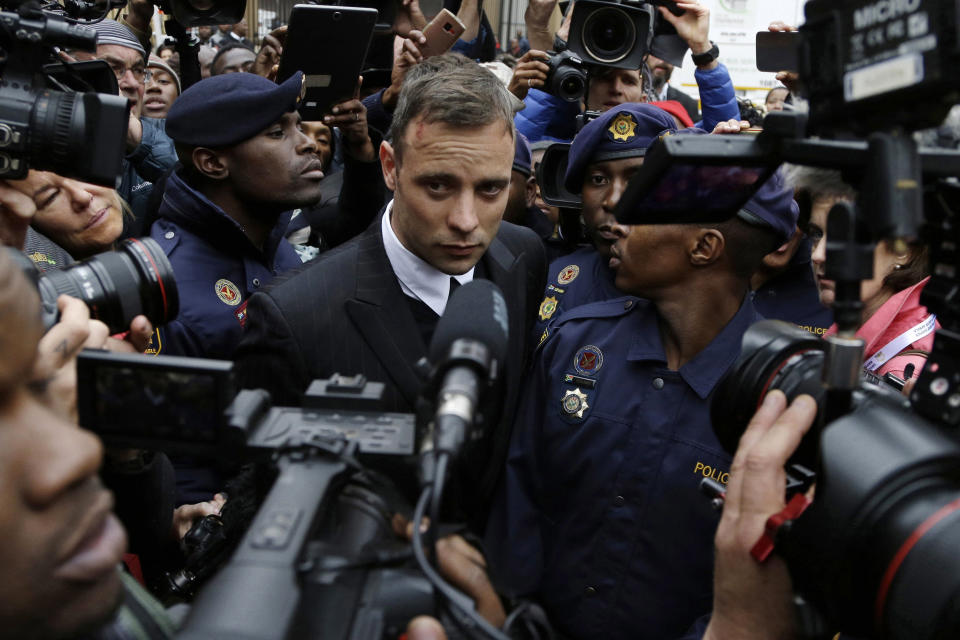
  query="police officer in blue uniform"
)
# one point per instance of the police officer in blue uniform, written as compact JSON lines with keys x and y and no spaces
{"x":599,"y":516}
{"x":785,"y":289}
{"x":245,"y":162}
{"x":603,"y":157}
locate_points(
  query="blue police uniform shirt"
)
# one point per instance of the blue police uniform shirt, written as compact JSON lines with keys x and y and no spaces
{"x":793,"y":296}
{"x":600,"y":516}
{"x":573,"y":280}
{"x":217,"y":269}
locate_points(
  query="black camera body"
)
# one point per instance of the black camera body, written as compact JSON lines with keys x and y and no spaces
{"x":875,"y":551}
{"x":320,"y":558}
{"x":567,"y":77}
{"x":870,"y":65}
{"x":74,"y":134}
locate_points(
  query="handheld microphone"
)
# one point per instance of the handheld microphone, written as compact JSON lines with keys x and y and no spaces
{"x":468,"y":348}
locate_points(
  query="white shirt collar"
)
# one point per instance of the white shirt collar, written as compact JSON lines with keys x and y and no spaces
{"x":418,"y":279}
{"x":663,"y":91}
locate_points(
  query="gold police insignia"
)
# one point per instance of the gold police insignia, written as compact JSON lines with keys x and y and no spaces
{"x":543,"y":336}
{"x":574,"y":402}
{"x":623,"y":127}
{"x":303,"y":89}
{"x":227,"y":292}
{"x":568,"y":274}
{"x":548,"y":307}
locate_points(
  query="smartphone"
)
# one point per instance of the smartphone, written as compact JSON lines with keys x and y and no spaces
{"x":441,"y":34}
{"x":329,"y":44}
{"x":778,"y":51}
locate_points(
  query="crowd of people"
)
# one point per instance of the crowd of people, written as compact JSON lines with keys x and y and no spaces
{"x":305,"y":249}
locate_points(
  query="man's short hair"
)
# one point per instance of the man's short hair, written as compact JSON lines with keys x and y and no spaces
{"x":811,"y":184}
{"x":454,"y":91}
{"x":225,"y":48}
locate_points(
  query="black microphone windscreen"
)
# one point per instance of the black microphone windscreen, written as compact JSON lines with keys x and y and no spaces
{"x":476,"y":311}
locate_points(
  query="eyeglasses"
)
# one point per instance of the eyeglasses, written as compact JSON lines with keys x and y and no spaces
{"x":140,"y":74}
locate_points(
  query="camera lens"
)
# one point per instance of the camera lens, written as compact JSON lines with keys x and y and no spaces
{"x":569,"y":83}
{"x":609,"y":35}
{"x":119,"y":285}
{"x":775,"y":355}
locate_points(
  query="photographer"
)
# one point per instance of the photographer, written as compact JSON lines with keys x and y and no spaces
{"x":599,"y":515}
{"x":150,"y":151}
{"x":547,"y":116}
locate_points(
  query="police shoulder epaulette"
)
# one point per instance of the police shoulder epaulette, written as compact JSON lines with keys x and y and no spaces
{"x":601,"y":309}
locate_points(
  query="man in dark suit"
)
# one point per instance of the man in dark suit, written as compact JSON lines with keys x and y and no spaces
{"x":370,"y":306}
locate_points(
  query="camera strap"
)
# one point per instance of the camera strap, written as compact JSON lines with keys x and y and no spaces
{"x":901,"y":342}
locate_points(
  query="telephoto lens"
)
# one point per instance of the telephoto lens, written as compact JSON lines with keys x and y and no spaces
{"x":117,"y":286}
{"x":774,"y":355}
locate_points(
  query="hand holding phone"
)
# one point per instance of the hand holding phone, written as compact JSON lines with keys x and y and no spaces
{"x":441,"y":34}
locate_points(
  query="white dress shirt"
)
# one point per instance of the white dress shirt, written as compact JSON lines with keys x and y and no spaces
{"x":418,"y":279}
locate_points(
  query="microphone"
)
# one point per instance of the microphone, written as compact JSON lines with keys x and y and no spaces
{"x":468,"y":348}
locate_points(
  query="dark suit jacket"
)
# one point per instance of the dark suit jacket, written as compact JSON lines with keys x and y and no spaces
{"x":345,"y":313}
{"x":688,"y":102}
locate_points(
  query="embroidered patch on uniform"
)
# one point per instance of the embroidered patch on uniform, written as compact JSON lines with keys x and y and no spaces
{"x":543,"y":337}
{"x":227,"y":292}
{"x":555,"y":289}
{"x":574,"y":403}
{"x":241,"y":314}
{"x":41,"y":258}
{"x":580,"y":381}
{"x":156,"y":343}
{"x":588,"y":360}
{"x":548,"y":307}
{"x":623,"y":127}
{"x":568,"y":274}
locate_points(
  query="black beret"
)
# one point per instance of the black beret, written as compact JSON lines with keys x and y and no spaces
{"x":227,"y":109}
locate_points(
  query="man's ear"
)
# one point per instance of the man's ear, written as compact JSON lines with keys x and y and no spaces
{"x":706,"y":247}
{"x":388,"y":164}
{"x":531,"y":191}
{"x":209,"y":163}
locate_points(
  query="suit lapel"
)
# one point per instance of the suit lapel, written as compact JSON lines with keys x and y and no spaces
{"x":383,"y":318}
{"x":503,"y":269}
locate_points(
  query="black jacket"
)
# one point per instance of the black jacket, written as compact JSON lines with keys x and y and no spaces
{"x":345,"y":313}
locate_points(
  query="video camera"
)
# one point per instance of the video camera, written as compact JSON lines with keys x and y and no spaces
{"x":320,"y":558}
{"x":874,"y":554}
{"x":51,"y":116}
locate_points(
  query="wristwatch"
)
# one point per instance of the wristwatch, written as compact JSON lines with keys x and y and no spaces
{"x":707,"y":56}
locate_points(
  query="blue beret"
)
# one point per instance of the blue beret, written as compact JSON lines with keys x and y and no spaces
{"x":625,"y":131}
{"x":227,"y":109}
{"x":522,"y":158}
{"x":773,"y":207}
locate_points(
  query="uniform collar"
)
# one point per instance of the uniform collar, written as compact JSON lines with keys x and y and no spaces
{"x":418,"y":278}
{"x":193,"y":211}
{"x":704,"y":371}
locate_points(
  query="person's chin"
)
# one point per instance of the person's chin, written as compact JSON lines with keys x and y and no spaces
{"x":87,"y":607}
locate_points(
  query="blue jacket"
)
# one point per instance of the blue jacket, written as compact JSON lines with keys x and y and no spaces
{"x":217,"y":269}
{"x":599,"y":515}
{"x":549,"y":117}
{"x":573,"y":280}
{"x":140,"y":168}
{"x":792,"y":296}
